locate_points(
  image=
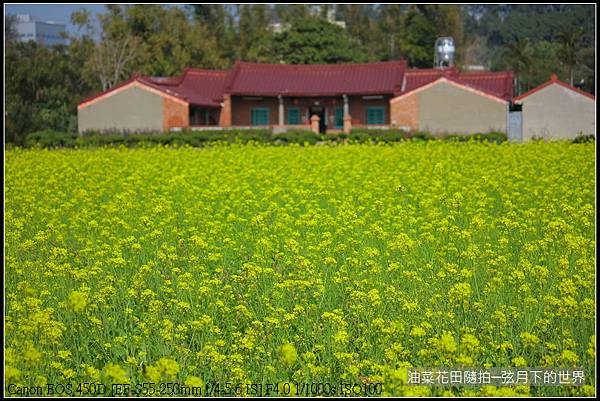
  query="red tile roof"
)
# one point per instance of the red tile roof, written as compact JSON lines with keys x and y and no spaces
{"x":135,"y":78}
{"x":198,"y":86}
{"x":499,"y":84}
{"x":415,"y":78}
{"x":316,"y":79}
{"x":554,"y":80}
{"x":206,"y":88}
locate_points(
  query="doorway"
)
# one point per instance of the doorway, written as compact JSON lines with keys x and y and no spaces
{"x":319,"y":111}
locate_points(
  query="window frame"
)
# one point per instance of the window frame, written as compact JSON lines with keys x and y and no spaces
{"x":253,"y":118}
{"x":298,"y":119}
{"x":370,"y":110}
{"x":341,"y":117}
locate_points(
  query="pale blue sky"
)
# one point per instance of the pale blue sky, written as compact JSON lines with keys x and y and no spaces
{"x":60,"y":13}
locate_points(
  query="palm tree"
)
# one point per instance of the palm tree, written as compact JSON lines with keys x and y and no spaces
{"x":518,"y":55}
{"x":569,"y":51}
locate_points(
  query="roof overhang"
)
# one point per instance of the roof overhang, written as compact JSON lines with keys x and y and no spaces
{"x":311,"y":94}
{"x":519,"y":99}
{"x":134,"y":82}
{"x":451,"y":82}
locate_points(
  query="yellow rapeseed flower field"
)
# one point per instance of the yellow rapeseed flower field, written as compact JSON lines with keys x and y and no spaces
{"x":290,"y":264}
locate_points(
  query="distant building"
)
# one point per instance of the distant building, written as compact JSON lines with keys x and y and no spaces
{"x":447,"y":101}
{"x":48,"y":33}
{"x":320,"y":97}
{"x":557,"y":110}
{"x":315,"y":11}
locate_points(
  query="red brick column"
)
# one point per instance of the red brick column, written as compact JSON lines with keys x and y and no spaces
{"x":314,"y":123}
{"x":175,"y":114}
{"x":225,"y":116}
{"x":347,"y":124}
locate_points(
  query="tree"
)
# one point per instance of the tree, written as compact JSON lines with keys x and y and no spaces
{"x":288,"y":13}
{"x":82,"y":48}
{"x":518,"y":57}
{"x":569,"y":51}
{"x":161,"y":41}
{"x":313,"y":41}
{"x":388,"y":28}
{"x":417,"y":39}
{"x":255,"y":34}
{"x":112,"y":58}
{"x":219,"y":24}
{"x":10,"y":28}
{"x":360,"y":25}
{"x":40,"y":83}
{"x":422,"y":24}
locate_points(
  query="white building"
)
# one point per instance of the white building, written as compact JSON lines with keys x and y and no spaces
{"x":47,"y":33}
{"x":315,"y":11}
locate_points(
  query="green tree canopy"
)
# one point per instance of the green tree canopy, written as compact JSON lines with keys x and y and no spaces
{"x":314,"y":41}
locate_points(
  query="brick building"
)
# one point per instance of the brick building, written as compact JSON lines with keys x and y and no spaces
{"x":557,"y":110}
{"x":323,"y":97}
{"x":448,"y":101}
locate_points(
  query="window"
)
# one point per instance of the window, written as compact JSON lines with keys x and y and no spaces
{"x":293,"y":115}
{"x":203,"y":116}
{"x":339,"y":117}
{"x":375,"y":115}
{"x":260,"y":116}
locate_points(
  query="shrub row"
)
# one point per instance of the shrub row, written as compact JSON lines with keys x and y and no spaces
{"x":53,"y":139}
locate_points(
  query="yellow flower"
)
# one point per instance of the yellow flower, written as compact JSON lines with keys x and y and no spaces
{"x":447,"y":342}
{"x":469,"y":342}
{"x":418,"y":331}
{"x":529,"y":339}
{"x":519,"y":362}
{"x":77,"y":301}
{"x":64,"y":354}
{"x":164,"y":367}
{"x":31,"y":355}
{"x":569,"y":357}
{"x":288,"y":354}
{"x":115,"y":373}
{"x":460,"y":292}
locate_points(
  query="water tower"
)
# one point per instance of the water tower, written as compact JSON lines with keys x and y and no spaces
{"x":444,"y":52}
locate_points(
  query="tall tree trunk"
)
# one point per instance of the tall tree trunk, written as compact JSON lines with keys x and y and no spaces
{"x":571,"y":76}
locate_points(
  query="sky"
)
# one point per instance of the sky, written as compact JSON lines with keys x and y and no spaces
{"x":60,"y":13}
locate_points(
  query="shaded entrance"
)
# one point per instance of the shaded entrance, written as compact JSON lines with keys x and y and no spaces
{"x":319,"y":111}
{"x":203,"y":116}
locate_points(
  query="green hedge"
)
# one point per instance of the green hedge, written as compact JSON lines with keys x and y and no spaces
{"x":581,"y":138}
{"x":497,"y":137}
{"x":50,"y":139}
{"x":53,"y":139}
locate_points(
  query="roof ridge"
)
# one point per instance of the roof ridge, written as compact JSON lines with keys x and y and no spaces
{"x":459,"y":81}
{"x":198,"y":69}
{"x":332,"y":65}
{"x":558,"y":82}
{"x":508,"y":72}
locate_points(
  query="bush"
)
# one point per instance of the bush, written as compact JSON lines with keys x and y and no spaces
{"x":581,"y":138}
{"x":362,"y":135}
{"x":50,"y":139}
{"x":420,"y":136}
{"x":492,"y":136}
{"x":199,"y":138}
{"x":299,"y":136}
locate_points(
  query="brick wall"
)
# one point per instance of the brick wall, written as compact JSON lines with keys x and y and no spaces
{"x":241,"y":108}
{"x":358,"y":108}
{"x":175,"y":114}
{"x":404,"y":112}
